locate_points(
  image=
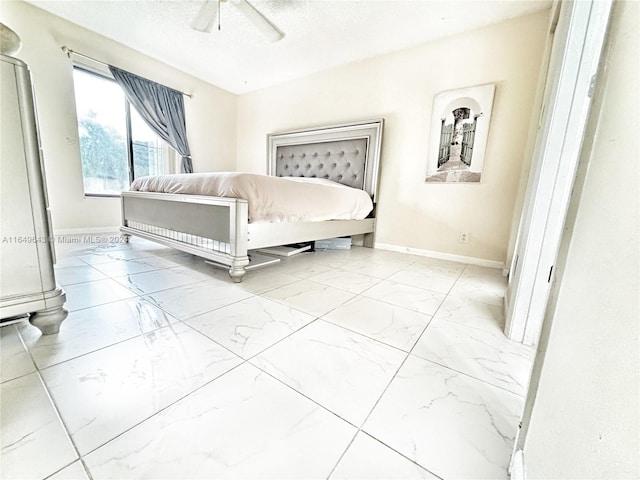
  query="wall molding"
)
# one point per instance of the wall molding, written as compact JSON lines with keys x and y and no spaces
{"x":382,"y":246}
{"x":516,"y":469}
{"x":442,"y":256}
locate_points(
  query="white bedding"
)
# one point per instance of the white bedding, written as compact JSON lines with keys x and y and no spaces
{"x":270,"y":199}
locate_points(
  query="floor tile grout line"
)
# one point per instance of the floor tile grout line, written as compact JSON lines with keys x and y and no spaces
{"x":362,"y":295}
{"x":134,"y":294}
{"x":282,"y":301}
{"x":396,"y":305}
{"x":56,"y":410}
{"x":407,"y":356}
{"x":393,"y":377}
{"x":377,"y":281}
{"x":435,"y":312}
{"x":400,"y":453}
{"x":467,"y":375}
{"x":138,"y":335}
{"x":155,"y":268}
{"x":188,"y":394}
{"x":321,"y":318}
{"x":107,"y":277}
{"x":433,"y":318}
{"x":448,"y":367}
{"x":268,"y":289}
{"x":105,"y":250}
{"x":457,"y":277}
{"x":485,"y":330}
{"x":110,"y":259}
{"x":114,"y":277}
{"x":204,"y":335}
{"x":49,"y":475}
{"x":16,"y":378}
{"x":259,"y":294}
{"x":303,"y":395}
{"x":455,"y":281}
{"x":135,"y":261}
{"x":57,"y":269}
{"x":360,"y":427}
{"x":366,"y":297}
{"x":243,"y":362}
{"x":152,"y":302}
{"x":331,"y":472}
{"x":448,"y":296}
{"x":363,"y":432}
{"x":420,"y":336}
{"x":26,"y":350}
{"x":334,"y":323}
{"x":103,"y":304}
{"x":314,"y":320}
{"x":141,"y":294}
{"x":322,"y":406}
{"x":102,"y":348}
{"x":84,"y":468}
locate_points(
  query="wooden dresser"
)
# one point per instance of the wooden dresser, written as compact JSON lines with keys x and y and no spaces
{"x":27,"y":256}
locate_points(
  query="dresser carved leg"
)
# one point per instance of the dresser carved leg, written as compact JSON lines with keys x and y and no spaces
{"x":49,"y":320}
{"x":237,"y":273}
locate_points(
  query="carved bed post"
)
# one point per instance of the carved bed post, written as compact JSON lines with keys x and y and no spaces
{"x":239,"y":240}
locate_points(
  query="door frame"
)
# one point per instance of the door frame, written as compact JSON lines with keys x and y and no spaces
{"x":574,"y":61}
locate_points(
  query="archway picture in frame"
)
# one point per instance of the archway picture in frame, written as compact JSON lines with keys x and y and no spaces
{"x":458,"y":138}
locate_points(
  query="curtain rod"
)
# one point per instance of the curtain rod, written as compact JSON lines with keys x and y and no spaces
{"x":68,"y":51}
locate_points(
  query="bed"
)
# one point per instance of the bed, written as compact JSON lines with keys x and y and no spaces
{"x":218,"y":228}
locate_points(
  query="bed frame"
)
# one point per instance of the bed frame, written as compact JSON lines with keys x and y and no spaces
{"x":217,"y":228}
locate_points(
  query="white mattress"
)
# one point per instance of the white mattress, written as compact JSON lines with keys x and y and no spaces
{"x":270,"y":199}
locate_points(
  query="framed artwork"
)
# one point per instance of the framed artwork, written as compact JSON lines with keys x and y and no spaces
{"x":459,"y":130}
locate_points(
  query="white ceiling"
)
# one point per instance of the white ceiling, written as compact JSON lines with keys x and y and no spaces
{"x":319,"y":34}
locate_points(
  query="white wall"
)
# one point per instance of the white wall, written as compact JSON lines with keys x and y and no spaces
{"x":400,"y":87}
{"x":583,"y":412}
{"x":228,"y":132}
{"x":210,"y":115}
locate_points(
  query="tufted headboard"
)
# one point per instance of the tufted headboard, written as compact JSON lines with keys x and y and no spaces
{"x":347,"y":154}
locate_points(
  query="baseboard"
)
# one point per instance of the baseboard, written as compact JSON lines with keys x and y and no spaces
{"x":442,"y":256}
{"x":85,"y":231}
{"x":505,"y":304}
{"x":516,"y":469}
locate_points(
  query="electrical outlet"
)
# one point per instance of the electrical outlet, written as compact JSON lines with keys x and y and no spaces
{"x":464,"y":237}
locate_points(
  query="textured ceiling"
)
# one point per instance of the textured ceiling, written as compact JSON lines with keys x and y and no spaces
{"x":319,"y":34}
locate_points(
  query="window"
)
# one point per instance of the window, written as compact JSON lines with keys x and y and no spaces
{"x":116,"y":146}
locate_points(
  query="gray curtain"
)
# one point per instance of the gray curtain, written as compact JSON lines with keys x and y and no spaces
{"x":162,"y":108}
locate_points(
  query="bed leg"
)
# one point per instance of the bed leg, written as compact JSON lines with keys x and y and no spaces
{"x":237,"y":273}
{"x":126,"y":237}
{"x":367,"y":240}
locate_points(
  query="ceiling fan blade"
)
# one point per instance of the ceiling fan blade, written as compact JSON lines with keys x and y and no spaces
{"x":262,"y":23}
{"x":206,"y":18}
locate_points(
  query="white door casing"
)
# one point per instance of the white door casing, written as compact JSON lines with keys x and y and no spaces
{"x":574,"y":61}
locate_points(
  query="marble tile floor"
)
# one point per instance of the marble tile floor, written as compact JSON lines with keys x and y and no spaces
{"x":343,"y":364}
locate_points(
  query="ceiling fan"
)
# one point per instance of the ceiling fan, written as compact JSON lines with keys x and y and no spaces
{"x":210,"y":12}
